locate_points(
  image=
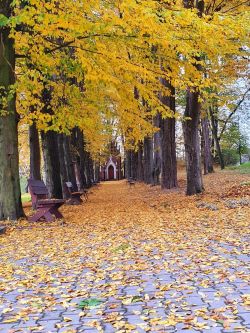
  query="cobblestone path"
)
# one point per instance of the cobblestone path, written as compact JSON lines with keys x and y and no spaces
{"x":135,"y":260}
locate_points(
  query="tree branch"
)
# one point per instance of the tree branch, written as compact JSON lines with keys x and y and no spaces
{"x":233,"y":112}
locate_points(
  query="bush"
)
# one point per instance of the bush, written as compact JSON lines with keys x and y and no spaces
{"x":231,"y":156}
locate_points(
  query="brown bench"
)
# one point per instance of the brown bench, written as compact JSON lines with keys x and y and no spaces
{"x":74,"y":196}
{"x":131,"y":182}
{"x":45,"y":207}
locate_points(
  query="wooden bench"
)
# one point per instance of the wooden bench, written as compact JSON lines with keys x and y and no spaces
{"x":131,"y":182}
{"x":45,"y":207}
{"x":74,"y":196}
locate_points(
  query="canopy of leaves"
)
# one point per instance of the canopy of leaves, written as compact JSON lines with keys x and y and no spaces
{"x":91,"y":55}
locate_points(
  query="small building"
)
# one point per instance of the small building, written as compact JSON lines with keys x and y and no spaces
{"x":112,"y":169}
{"x":245,"y":158}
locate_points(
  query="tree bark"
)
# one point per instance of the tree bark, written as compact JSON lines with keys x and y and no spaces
{"x":148,"y":160}
{"x":96,"y":171}
{"x":51,"y":164}
{"x":134,"y":161}
{"x":168,"y":144}
{"x":82,"y":158}
{"x":191,"y":126}
{"x":78,"y":163}
{"x":131,"y":164}
{"x":168,"y":147}
{"x":89,"y":169}
{"x":207,"y":155}
{"x":216,"y":139}
{"x":62,"y":164}
{"x":10,"y":192}
{"x":192,"y":143}
{"x":35,"y":155}
{"x":71,"y":177}
{"x":127,"y":164}
{"x":140,"y":171}
{"x":157,"y":151}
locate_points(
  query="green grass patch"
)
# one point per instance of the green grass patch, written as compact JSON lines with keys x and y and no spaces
{"x":23,"y":184}
{"x":26,"y":197}
{"x":243,"y":168}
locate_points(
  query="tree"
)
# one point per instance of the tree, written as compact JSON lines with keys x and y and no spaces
{"x":168,"y":145}
{"x":10,"y":193}
{"x":35,"y":155}
{"x":92,"y":55}
{"x":206,"y":140}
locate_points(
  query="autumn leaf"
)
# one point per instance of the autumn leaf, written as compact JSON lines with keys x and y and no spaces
{"x":92,"y":302}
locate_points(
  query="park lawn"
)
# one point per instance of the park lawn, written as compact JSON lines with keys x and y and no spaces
{"x":25,"y":197}
{"x":23,"y":184}
{"x":243,"y":168}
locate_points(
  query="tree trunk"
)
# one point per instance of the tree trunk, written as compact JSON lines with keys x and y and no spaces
{"x":148,"y":160}
{"x":35,"y":155}
{"x":77,"y":143}
{"x":207,"y":156}
{"x":216,"y":139}
{"x":89,"y":169}
{"x":96,"y":171}
{"x":168,"y":148}
{"x":71,"y":177}
{"x":10,"y":193}
{"x":131,"y":164}
{"x":168,"y":144}
{"x":192,"y":143}
{"x":134,"y":160}
{"x":157,"y":151}
{"x":127,"y":164}
{"x":51,"y":164}
{"x":78,"y":176}
{"x":83,"y":160}
{"x":191,"y":126}
{"x":140,"y":171}
{"x":62,"y":164}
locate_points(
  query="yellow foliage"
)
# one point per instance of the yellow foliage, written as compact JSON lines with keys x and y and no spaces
{"x":91,"y":55}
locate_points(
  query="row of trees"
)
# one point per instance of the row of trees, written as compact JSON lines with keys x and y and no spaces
{"x":76,"y":71}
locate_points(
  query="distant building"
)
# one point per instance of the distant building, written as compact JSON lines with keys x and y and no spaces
{"x":112,"y":169}
{"x":245,"y":158}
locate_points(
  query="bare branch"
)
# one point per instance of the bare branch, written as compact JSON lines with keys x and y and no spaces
{"x":233,"y":112}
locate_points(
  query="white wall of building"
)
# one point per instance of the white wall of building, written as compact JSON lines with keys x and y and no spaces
{"x":110,"y":162}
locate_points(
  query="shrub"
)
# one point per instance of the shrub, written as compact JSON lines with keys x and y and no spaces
{"x":231,"y":156}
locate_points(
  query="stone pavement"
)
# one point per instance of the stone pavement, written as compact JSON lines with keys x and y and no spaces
{"x":146,"y":284}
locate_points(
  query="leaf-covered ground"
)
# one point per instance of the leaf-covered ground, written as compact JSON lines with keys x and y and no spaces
{"x":133,"y":260}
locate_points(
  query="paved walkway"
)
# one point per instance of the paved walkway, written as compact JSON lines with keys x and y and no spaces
{"x":136,"y":260}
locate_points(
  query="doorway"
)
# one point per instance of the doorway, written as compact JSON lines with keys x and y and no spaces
{"x":111,"y":172}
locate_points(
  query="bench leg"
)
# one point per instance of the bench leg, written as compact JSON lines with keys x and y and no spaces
{"x":48,"y":217}
{"x":46,"y":213}
{"x":74,"y":201}
{"x":78,"y":199}
{"x":40,"y":213}
{"x":54,"y":210}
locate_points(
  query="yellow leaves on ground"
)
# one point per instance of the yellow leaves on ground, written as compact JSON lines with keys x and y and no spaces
{"x":246,"y":299}
{"x":122,"y":238}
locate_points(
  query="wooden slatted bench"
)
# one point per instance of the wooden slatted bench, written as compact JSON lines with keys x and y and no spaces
{"x":75,"y":196}
{"x":131,"y":182}
{"x":45,"y":207}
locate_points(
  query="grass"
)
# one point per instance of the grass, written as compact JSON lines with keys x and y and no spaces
{"x":25,"y":197}
{"x":243,"y":168}
{"x":23,"y":184}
